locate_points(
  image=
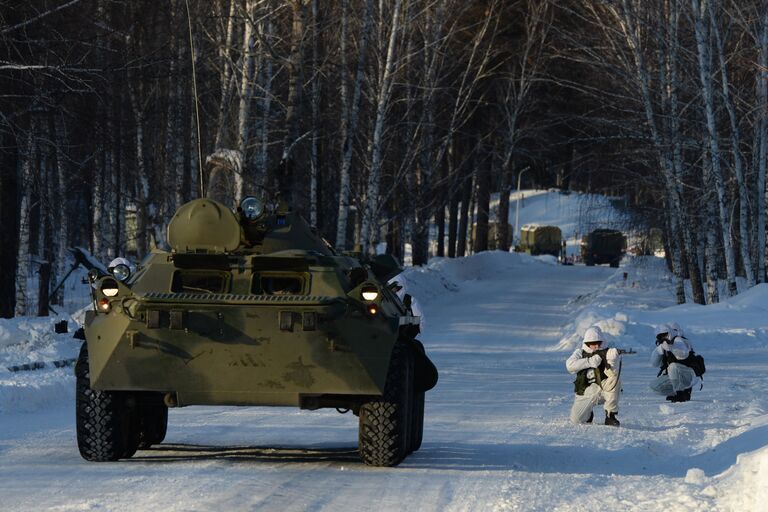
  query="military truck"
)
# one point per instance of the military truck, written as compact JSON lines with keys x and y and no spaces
{"x":603,"y":246}
{"x":249,"y":308}
{"x":536,"y":239}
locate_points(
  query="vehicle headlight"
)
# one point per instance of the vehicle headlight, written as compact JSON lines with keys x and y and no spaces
{"x":109,"y":287}
{"x":252,"y":207}
{"x":121,"y":272}
{"x":120,"y":268}
{"x":369,"y":293}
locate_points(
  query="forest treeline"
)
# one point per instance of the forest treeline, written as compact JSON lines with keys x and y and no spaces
{"x":380,"y":121}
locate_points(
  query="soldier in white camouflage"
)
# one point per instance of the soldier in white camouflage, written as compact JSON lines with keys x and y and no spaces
{"x":676,"y":360}
{"x":597,"y":370}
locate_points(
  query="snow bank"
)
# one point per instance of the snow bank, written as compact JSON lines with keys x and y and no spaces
{"x":744,"y":486}
{"x":35,"y":390}
{"x":620,"y":309}
{"x":31,"y":340}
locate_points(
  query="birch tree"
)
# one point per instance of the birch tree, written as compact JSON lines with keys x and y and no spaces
{"x":738,"y":166}
{"x":349,"y":111}
{"x":226,"y":76}
{"x":25,"y":184}
{"x":701,"y":26}
{"x":245,"y":90}
{"x":295,"y":70}
{"x":372,"y":202}
{"x":61,"y":185}
{"x":315,"y":108}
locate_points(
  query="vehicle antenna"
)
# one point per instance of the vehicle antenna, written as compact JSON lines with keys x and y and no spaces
{"x":197,"y":108}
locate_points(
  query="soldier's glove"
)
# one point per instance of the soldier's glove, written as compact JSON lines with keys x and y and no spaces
{"x":595,"y":361}
{"x":612,"y":357}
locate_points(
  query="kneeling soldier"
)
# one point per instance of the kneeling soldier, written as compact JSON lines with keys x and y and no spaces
{"x":673,"y":355}
{"x":597,"y":379}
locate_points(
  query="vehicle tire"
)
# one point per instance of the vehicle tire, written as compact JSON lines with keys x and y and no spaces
{"x":417,"y":421}
{"x":615,"y":264}
{"x":103,"y":418}
{"x":589,"y":263}
{"x":152,"y":416}
{"x":384,"y":427}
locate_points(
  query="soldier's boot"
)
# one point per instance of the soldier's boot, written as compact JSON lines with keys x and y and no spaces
{"x":591,"y":417}
{"x":682,"y":396}
{"x":611,"y":419}
{"x":671,"y":398}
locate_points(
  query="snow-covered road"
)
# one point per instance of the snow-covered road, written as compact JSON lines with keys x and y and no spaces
{"x":497,"y":437}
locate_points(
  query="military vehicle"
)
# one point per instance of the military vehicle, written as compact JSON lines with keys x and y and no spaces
{"x":603,"y":246}
{"x":536,"y":239}
{"x":249,"y":308}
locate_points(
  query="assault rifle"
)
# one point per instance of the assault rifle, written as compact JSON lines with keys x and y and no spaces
{"x":604,"y":351}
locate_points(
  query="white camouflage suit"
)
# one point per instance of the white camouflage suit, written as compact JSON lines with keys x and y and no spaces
{"x":607,"y":391}
{"x":678,"y":376}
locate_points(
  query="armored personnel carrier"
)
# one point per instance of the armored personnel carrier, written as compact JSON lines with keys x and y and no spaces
{"x":603,"y":246}
{"x":249,"y":308}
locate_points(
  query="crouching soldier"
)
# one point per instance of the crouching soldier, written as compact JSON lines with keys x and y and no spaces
{"x":675,"y":359}
{"x":597,"y":372}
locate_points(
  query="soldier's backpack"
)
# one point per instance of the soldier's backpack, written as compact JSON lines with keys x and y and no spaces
{"x":696,"y":363}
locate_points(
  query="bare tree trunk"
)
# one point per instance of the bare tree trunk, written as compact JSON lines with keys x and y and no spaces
{"x":226,"y":76}
{"x":314,"y":163}
{"x":701,"y":23}
{"x":713,"y":294}
{"x":424,"y":172}
{"x":502,"y":219}
{"x":180,"y":146}
{"x":440,"y":224}
{"x":368,"y":226}
{"x":464,"y":220}
{"x":172,"y":118}
{"x":738,"y":167}
{"x":62,"y":235}
{"x":286,"y":177}
{"x":243,"y":111}
{"x":349,"y":115}
{"x":112,"y":200}
{"x":453,"y":199}
{"x":45,"y":201}
{"x":761,"y":130}
{"x":480,"y":243}
{"x":453,"y":222}
{"x":628,"y":25}
{"x":263,"y":158}
{"x":25,"y":188}
{"x":669,"y":78}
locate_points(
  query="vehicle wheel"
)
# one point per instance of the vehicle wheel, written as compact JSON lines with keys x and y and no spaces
{"x":152,"y":415}
{"x":103,"y":418}
{"x":417,"y":421}
{"x":383,"y":436}
{"x":589,"y":263}
{"x":615,"y":264}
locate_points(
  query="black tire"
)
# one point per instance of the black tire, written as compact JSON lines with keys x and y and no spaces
{"x":152,"y":424}
{"x":417,"y":421}
{"x":104,"y":421}
{"x":589,"y":263}
{"x":615,"y":264}
{"x":384,"y":428}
